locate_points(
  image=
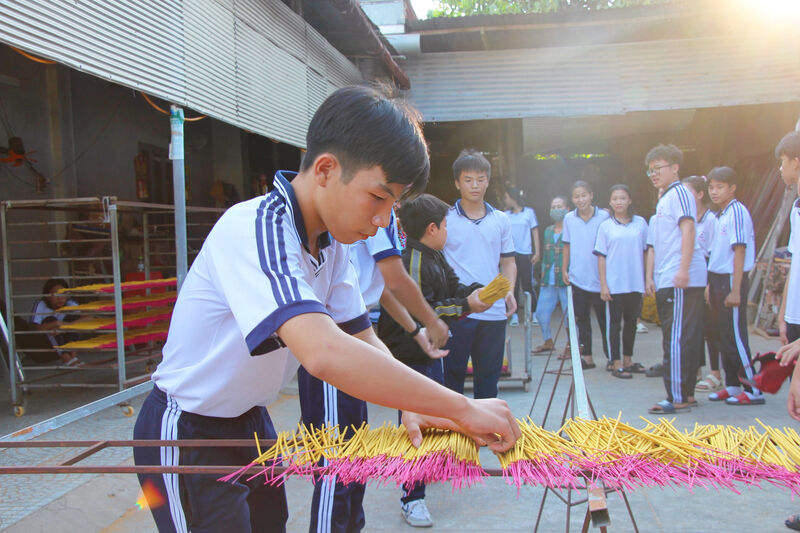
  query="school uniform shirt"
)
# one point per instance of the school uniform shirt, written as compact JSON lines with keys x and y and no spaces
{"x":675,"y":205}
{"x":704,"y":231}
{"x":41,"y":311}
{"x":623,"y":246}
{"x":474,"y":249}
{"x":734,"y":228}
{"x":365,"y":255}
{"x":792,"y":314}
{"x":254,"y":272}
{"x":581,"y":235}
{"x":521,"y":225}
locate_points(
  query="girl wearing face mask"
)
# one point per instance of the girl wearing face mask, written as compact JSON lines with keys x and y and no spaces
{"x":579,"y":267}
{"x":552,"y":288}
{"x":620,"y":248}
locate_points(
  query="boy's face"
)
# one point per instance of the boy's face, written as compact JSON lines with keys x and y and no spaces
{"x":721,"y":193}
{"x":472,"y":185}
{"x":438,"y":235}
{"x":581,"y":198}
{"x":662,"y":173}
{"x":355,"y":210}
{"x":790,"y":170}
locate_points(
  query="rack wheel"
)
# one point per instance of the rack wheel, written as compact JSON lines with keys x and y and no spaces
{"x":526,"y":386}
{"x":19,"y":410}
{"x":127,"y":410}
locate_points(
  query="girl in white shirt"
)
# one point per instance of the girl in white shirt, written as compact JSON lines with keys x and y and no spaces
{"x":525,"y":232}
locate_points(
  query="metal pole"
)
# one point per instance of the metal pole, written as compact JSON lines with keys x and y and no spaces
{"x":115,"y":254}
{"x":581,"y":401}
{"x":146,"y":245}
{"x":176,"y":154}
{"x":12,"y":353}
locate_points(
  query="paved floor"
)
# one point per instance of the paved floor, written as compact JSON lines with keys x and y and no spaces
{"x":107,"y":503}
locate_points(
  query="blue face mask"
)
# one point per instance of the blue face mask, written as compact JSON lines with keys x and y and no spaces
{"x":558,"y":214}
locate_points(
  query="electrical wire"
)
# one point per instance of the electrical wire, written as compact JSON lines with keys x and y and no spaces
{"x":33,"y":57}
{"x":164,"y":111}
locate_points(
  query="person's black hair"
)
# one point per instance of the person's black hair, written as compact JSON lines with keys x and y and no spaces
{"x":665,"y":152}
{"x":724,"y":175}
{"x":560,"y":197}
{"x":580,"y":184}
{"x":516,"y":194}
{"x":417,"y":214}
{"x":471,"y":159}
{"x":51,"y":283}
{"x":789,"y":146}
{"x":364,"y":128}
{"x":699,"y":184}
{"x":627,"y":190}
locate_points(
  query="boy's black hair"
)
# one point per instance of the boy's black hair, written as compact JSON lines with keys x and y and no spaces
{"x":723,"y":174}
{"x":665,"y":152}
{"x":580,"y":184}
{"x":471,"y":159}
{"x":516,"y":194}
{"x":417,"y":214}
{"x":52,"y":283}
{"x":364,"y":128}
{"x":789,"y":146}
{"x":560,"y":197}
{"x":699,"y":184}
{"x":623,"y":187}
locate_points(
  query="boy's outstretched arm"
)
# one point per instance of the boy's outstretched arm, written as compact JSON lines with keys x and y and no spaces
{"x":508,"y":267}
{"x":361,"y":368}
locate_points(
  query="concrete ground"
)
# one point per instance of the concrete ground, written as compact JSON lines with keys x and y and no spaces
{"x":80,"y":503}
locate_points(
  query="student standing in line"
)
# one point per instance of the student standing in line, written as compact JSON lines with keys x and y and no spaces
{"x":579,"y":267}
{"x":731,"y":259}
{"x":479,"y":246}
{"x":620,"y":248}
{"x":552,"y":288}
{"x":426,"y":227}
{"x":525,"y":232}
{"x":676,"y":273}
{"x":704,"y":233}
{"x":272,"y":287}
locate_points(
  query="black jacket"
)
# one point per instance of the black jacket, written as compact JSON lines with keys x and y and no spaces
{"x":440,"y":287}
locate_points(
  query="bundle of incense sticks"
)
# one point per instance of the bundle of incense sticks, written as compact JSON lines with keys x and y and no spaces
{"x":582,"y":453}
{"x":496,"y":289}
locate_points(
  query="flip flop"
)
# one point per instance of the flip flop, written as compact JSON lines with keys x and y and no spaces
{"x":667,"y":408}
{"x":710,"y":383}
{"x":719,"y":396}
{"x":793,"y":522}
{"x":609,"y":367}
{"x":587,"y":366}
{"x":745,"y":399}
{"x":621,"y":373}
{"x":655,"y":371}
{"x":635,"y":368}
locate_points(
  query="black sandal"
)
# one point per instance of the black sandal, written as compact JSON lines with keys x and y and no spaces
{"x":587,"y":366}
{"x":635,"y":368}
{"x":609,"y":367}
{"x":621,"y":373}
{"x":793,"y":522}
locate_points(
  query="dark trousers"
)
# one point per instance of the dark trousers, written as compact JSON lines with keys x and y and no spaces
{"x":524,"y":278}
{"x":583,"y":302}
{"x":729,"y":328}
{"x":681,"y":313}
{"x":625,"y":307}
{"x":485,"y":341}
{"x":433,"y":369}
{"x":199,"y":502}
{"x":792,"y":332}
{"x":335,"y":507}
{"x":714,"y":357}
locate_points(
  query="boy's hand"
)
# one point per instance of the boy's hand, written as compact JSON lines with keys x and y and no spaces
{"x":476,"y":305}
{"x":681,"y":279}
{"x":782,"y":331}
{"x":565,"y":277}
{"x":650,"y":287}
{"x":425,"y":343}
{"x":707,"y":295}
{"x":605,"y":294}
{"x":438,"y":333}
{"x":733,"y":299}
{"x":511,"y":304}
{"x":787,"y":354}
{"x":534,"y":259}
{"x":415,"y":424}
{"x":490,"y":422}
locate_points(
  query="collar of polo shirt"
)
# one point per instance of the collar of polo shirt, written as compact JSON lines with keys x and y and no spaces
{"x":461,"y":212}
{"x":282,"y":184}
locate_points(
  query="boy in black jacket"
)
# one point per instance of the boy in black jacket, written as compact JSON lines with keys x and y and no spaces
{"x":425,"y":223}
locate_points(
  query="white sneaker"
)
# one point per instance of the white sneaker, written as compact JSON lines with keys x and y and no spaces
{"x":641,"y":328}
{"x":534,"y":320}
{"x":514,"y":320}
{"x":416,"y":513}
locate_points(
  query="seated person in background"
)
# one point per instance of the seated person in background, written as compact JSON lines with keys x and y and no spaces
{"x":46,"y":318}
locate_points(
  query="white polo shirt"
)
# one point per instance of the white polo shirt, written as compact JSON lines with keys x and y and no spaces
{"x":41,"y":311}
{"x":676,"y":204}
{"x":521,"y":225}
{"x":623,"y":246}
{"x":704,"y":231}
{"x":253,"y":273}
{"x":734,"y":228}
{"x":792,"y":314}
{"x":365,"y":256}
{"x":581,"y":235}
{"x":474,"y":249}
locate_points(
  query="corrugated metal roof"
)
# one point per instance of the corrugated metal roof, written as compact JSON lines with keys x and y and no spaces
{"x":604,"y":79}
{"x":252,"y":63}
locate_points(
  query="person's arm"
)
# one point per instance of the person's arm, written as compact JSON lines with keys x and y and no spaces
{"x":793,"y":401}
{"x":782,"y":313}
{"x":536,"y":245}
{"x":565,"y":263}
{"x":788,"y":353}
{"x":508,"y":267}
{"x":681,"y":279}
{"x":733,"y":299}
{"x":409,"y":295}
{"x":362,"y":367}
{"x":605,"y":294}
{"x":400,"y":315}
{"x":649,"y":267}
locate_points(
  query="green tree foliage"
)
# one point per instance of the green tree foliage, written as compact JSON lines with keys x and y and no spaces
{"x":461,"y":8}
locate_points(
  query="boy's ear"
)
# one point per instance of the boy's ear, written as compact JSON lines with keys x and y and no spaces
{"x":325,"y":167}
{"x":431,"y":228}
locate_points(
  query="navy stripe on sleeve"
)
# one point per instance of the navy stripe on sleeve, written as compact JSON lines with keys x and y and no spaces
{"x":599,"y":253}
{"x":261,"y":238}
{"x":356,"y":325}
{"x":508,"y":254}
{"x":258,"y":340}
{"x":683,"y":196}
{"x":386,"y":253}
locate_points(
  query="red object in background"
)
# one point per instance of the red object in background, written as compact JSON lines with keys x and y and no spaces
{"x":139,"y":276}
{"x":770,"y":375}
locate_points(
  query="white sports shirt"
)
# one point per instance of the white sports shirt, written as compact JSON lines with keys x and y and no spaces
{"x":792,"y":314}
{"x":734,"y":228}
{"x":623,"y":246}
{"x":365,"y":255}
